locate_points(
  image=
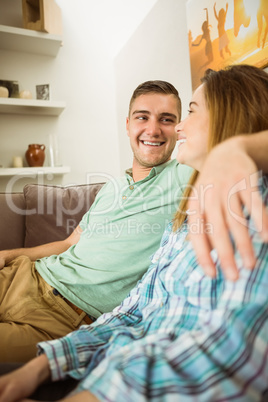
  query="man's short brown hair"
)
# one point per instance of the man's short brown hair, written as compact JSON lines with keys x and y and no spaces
{"x":156,"y":86}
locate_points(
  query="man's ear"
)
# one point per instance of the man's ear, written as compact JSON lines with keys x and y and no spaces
{"x":127,"y":125}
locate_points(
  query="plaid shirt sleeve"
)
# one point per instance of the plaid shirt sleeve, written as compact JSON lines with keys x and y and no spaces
{"x":190,"y":338}
{"x":72,"y":355}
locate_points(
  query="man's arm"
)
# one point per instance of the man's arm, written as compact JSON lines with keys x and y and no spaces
{"x":228,"y":182}
{"x":44,"y":250}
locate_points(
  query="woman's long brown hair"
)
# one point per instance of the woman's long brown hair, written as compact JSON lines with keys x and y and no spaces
{"x":237,"y":101}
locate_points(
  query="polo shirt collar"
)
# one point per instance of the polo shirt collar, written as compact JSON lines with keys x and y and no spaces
{"x":153,"y":172}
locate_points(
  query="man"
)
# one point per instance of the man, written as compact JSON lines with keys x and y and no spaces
{"x":72,"y":282}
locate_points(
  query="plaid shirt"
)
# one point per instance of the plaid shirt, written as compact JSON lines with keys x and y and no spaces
{"x":179,"y":335}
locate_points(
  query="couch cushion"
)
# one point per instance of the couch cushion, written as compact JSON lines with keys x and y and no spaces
{"x":12,"y":229}
{"x":52,"y":212}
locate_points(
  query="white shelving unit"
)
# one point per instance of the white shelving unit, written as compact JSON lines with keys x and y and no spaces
{"x":28,"y":41}
{"x":39,"y":43}
{"x":30,"y":171}
{"x":31,"y":106}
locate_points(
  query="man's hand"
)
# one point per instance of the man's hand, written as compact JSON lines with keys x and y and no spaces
{"x":227,"y":182}
{"x":2,"y":262}
{"x":23,"y":382}
{"x":6,"y":256}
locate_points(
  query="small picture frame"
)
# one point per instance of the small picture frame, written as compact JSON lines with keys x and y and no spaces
{"x":42,"y":92}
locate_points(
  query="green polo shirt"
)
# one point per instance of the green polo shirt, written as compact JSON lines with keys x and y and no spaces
{"x":121,"y":231}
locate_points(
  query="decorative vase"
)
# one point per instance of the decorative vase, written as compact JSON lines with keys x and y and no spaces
{"x":35,"y":155}
{"x":25,"y":94}
{"x":4,"y":92}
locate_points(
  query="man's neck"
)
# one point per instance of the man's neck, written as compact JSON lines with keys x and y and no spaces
{"x":139,"y":172}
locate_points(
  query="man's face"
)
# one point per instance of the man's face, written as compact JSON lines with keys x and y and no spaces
{"x":151,"y":129}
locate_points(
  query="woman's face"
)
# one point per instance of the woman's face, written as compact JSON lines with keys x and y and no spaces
{"x":193,"y":132}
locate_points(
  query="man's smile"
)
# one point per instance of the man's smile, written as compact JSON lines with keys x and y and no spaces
{"x":154,"y":144}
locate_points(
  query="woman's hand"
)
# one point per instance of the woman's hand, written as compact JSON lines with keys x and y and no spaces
{"x":227,"y":183}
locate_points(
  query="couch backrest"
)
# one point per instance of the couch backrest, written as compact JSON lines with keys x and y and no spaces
{"x":12,"y":225}
{"x":43,"y":214}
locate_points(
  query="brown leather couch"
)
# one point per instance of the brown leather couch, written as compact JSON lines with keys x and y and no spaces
{"x":41,"y":214}
{"x":38,"y":215}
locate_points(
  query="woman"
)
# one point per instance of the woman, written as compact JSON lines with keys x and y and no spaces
{"x":180,"y":335}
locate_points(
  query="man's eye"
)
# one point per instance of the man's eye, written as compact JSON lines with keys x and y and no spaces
{"x":141,"y":117}
{"x":168,"y":120}
{"x":189,"y":111}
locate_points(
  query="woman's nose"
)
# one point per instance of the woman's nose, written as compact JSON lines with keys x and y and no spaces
{"x":178,"y":127}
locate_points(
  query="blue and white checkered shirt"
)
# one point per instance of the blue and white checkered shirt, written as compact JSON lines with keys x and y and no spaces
{"x":179,"y":335}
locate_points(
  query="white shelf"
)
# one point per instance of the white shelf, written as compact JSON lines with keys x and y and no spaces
{"x":31,"y":106}
{"x":31,"y":171}
{"x":26,"y":40}
{"x":39,"y":43}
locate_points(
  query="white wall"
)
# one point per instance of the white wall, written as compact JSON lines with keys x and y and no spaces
{"x":158,"y":49}
{"x":108,"y":49}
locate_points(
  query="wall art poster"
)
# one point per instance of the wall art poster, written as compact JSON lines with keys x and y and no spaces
{"x":222,"y":32}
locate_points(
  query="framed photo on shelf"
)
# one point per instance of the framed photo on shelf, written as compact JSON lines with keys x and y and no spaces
{"x":43,"y":92}
{"x":225,"y":32}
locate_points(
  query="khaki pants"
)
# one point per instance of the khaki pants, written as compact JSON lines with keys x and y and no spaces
{"x":30,"y":312}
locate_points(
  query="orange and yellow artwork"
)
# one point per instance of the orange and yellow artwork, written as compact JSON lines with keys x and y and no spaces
{"x":223,"y":32}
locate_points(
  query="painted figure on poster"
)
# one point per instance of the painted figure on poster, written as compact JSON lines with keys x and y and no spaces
{"x":223,"y":37}
{"x":240,"y":16}
{"x":206,"y":37}
{"x":262,"y":14}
